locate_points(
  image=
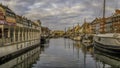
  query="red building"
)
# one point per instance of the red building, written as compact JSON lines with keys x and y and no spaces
{"x":107,"y":25}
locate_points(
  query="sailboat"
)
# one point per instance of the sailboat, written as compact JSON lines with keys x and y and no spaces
{"x":108,"y":42}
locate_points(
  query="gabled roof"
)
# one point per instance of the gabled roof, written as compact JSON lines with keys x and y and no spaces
{"x":6,"y":9}
{"x":117,"y":11}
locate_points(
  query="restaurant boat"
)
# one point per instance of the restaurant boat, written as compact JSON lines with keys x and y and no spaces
{"x":16,"y":32}
{"x":108,"y":42}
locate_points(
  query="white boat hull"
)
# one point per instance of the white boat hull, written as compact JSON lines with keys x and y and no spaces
{"x":7,"y":50}
{"x":20,"y":61}
{"x":108,"y":42}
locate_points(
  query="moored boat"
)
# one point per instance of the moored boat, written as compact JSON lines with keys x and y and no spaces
{"x":16,"y":32}
{"x":108,"y":41}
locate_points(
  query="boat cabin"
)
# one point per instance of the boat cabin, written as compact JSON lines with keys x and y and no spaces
{"x":15,"y":28}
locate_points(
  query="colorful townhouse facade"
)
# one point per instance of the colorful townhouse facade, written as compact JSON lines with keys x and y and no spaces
{"x":107,"y":25}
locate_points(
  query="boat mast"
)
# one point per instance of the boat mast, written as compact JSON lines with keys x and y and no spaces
{"x":104,"y":4}
{"x":104,"y":9}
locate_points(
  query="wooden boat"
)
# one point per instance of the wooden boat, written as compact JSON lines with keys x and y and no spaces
{"x":16,"y":32}
{"x":109,"y":42}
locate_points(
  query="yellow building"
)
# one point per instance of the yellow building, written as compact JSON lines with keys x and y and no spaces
{"x":86,"y":28}
{"x":58,"y":33}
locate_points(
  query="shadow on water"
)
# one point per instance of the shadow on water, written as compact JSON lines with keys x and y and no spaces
{"x":101,"y":58}
{"x":87,"y":51}
{"x":45,"y":43}
{"x":63,"y":53}
{"x":106,"y":60}
{"x":25,"y":59}
{"x":84,"y":51}
{"x":18,"y":54}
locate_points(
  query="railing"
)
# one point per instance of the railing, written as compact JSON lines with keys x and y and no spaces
{"x":5,"y":41}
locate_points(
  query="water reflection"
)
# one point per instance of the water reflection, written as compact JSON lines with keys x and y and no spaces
{"x":23,"y":61}
{"x":105,"y":60}
{"x":65,"y":53}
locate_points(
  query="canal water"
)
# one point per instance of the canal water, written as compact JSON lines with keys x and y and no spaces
{"x":62,"y":53}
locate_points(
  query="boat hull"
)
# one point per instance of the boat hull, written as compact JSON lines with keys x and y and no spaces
{"x":107,"y":44}
{"x":107,"y":48}
{"x":23,"y":60}
{"x":12,"y":49}
{"x":105,"y":58}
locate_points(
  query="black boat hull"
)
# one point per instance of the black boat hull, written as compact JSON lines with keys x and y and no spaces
{"x":107,"y":48}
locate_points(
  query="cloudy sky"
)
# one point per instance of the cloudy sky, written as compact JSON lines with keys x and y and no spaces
{"x":58,"y":14}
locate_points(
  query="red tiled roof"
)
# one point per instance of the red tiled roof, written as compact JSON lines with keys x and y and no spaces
{"x":117,"y":11}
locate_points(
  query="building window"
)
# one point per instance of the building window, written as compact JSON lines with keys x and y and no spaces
{"x":0,"y":33}
{"x":12,"y":34}
{"x":16,"y":34}
{"x":6,"y":32}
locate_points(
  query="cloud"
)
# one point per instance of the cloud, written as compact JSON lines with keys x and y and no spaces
{"x":58,"y":14}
